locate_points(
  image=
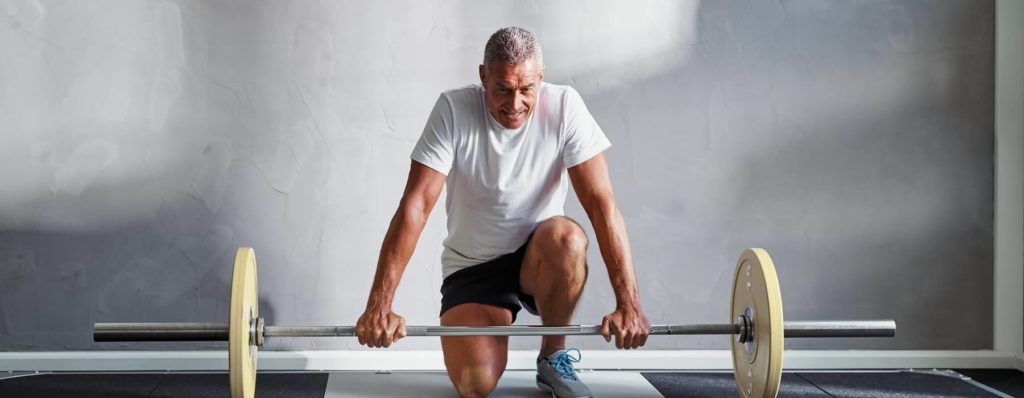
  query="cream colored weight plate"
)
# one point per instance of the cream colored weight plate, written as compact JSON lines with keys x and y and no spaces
{"x":244,"y":312}
{"x":755,"y":292}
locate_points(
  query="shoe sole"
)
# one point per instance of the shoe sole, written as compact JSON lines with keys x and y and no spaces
{"x":546,"y":388}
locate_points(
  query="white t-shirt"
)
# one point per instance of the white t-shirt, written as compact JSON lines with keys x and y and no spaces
{"x":503,"y":182}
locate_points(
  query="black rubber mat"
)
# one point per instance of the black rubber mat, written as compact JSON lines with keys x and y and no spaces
{"x":814,"y":384}
{"x":1007,"y":381}
{"x":894,"y":384}
{"x":709,"y":385}
{"x":298,"y":385}
{"x":80,"y":385}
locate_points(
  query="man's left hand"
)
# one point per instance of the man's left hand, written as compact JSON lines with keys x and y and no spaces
{"x":628,"y":325}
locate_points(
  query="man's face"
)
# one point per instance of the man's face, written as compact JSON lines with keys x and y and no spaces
{"x":511,"y":90}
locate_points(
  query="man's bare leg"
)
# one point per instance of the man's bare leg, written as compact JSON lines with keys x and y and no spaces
{"x":475,"y":363}
{"x":554,"y":271}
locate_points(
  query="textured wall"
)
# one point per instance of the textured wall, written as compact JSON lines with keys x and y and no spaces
{"x":142,"y":141}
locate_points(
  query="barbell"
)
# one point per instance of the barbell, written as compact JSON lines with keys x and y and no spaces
{"x":756,"y":309}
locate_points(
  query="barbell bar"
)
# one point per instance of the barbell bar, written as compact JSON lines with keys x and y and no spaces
{"x":756,"y":309}
{"x":111,"y":332}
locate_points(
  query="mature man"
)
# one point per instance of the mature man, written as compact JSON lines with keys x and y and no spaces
{"x":504,"y":149}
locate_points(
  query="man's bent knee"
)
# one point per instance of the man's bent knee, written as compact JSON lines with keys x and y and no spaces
{"x":565,"y":235}
{"x":477,"y":382}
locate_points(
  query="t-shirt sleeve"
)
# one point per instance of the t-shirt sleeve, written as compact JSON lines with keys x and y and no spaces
{"x":435,"y":148}
{"x":584,"y":139}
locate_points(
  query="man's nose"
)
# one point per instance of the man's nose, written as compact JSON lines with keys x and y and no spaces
{"x":518,"y":101}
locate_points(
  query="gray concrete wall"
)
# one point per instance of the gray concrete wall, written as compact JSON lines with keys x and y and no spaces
{"x":142,"y":141}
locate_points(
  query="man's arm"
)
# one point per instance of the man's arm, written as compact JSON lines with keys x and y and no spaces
{"x":594,"y":189}
{"x":378,"y":327}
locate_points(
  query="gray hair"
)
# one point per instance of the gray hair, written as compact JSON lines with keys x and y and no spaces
{"x":512,"y":46}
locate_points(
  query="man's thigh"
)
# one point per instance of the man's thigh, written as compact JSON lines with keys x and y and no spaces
{"x":475,"y":356}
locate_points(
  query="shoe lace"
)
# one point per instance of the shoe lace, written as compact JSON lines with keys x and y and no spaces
{"x":563,"y":363}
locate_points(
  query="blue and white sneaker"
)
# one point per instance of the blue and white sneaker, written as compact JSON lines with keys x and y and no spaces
{"x":556,"y":375}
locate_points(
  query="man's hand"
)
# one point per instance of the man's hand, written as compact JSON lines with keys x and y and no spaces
{"x":629,"y":326}
{"x":379,"y":328}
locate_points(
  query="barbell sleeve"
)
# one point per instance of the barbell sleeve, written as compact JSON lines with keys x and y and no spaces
{"x":865,"y":328}
{"x":160,"y":332}
{"x":219,"y":332}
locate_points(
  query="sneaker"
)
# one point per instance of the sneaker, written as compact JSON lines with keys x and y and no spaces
{"x":556,"y":375}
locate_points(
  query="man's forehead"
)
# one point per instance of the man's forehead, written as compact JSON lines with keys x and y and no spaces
{"x":526,"y":82}
{"x":527,"y":71}
{"x":514,"y":78}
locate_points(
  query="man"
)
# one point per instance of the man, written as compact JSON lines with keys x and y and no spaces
{"x":504,"y":149}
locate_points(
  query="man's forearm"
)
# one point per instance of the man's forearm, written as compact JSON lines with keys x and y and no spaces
{"x":618,"y":258}
{"x":399,"y":244}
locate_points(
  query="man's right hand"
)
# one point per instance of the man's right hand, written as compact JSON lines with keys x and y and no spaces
{"x":379,"y":328}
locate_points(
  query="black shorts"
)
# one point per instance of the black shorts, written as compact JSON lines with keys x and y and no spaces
{"x":494,"y":282}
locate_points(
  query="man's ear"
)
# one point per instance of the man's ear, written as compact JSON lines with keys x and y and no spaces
{"x":483,"y":74}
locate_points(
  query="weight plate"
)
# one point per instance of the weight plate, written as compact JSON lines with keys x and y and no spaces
{"x":244,"y":312}
{"x":756,"y":294}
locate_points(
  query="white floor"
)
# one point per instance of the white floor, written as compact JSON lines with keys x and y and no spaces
{"x":512,"y":384}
